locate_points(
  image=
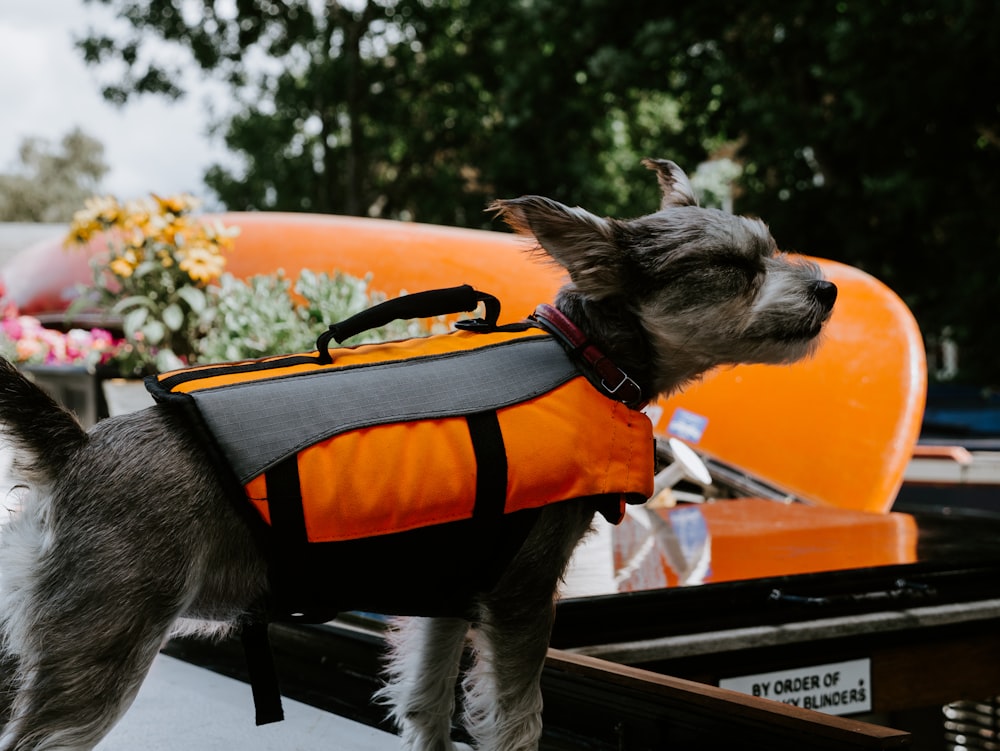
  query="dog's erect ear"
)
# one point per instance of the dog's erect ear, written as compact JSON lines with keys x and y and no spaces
{"x":674,"y":183}
{"x":577,"y":240}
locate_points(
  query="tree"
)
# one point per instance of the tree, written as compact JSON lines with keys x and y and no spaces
{"x":860,"y":133}
{"x":405,"y":109}
{"x":326,"y":96}
{"x":859,"y":142}
{"x":51,"y":181}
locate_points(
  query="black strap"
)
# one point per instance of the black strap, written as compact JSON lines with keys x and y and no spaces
{"x":435,"y":302}
{"x":161,"y":387}
{"x":289,"y":588}
{"x":263,"y":676}
{"x":491,"y":465}
{"x":284,"y":502}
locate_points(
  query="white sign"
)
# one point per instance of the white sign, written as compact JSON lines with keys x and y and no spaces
{"x":838,"y":688}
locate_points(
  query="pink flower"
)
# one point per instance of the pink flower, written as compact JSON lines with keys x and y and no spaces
{"x":34,"y":343}
{"x":12,"y":328}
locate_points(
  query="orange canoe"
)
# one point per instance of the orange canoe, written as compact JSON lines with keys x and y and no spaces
{"x":836,"y":430}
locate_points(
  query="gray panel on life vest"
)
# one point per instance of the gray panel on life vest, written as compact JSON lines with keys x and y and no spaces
{"x":259,"y":423}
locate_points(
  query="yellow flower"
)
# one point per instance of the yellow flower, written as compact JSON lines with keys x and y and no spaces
{"x":202,"y":264}
{"x":155,"y":251}
{"x":179,"y":204}
{"x":137,"y":216}
{"x":223,"y":236}
{"x":121,"y":267}
{"x":103,"y":209}
{"x":180,"y":232}
{"x":81,"y":231}
{"x":97,"y":215}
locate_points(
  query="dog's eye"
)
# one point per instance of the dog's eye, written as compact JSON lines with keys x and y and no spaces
{"x":710,"y":276}
{"x":719,"y":281}
{"x":744,"y":279}
{"x":741,"y":274}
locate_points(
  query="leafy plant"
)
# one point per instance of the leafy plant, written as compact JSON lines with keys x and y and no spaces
{"x":159,"y":263}
{"x":162,"y":277}
{"x":265,"y":315}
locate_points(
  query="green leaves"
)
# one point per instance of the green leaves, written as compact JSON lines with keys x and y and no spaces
{"x":856,"y":141}
{"x":194,"y":297}
{"x":257,"y":317}
{"x":173,"y":317}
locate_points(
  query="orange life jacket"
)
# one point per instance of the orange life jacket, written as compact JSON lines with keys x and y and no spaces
{"x":403,"y":477}
{"x":391,"y":437}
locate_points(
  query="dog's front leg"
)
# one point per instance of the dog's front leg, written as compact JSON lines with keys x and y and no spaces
{"x":422,"y":672}
{"x":503,"y":697}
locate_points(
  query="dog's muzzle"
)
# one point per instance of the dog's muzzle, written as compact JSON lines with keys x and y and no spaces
{"x":825,"y":293}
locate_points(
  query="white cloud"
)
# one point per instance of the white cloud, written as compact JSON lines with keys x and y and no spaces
{"x":151,"y":144}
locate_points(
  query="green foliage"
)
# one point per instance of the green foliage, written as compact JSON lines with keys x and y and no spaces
{"x":51,"y":180}
{"x":407,"y":109}
{"x":260,"y":317}
{"x":249,"y":319}
{"x":866,"y":132}
{"x":871,"y":135}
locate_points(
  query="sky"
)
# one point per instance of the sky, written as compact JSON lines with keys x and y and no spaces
{"x":151,"y":145}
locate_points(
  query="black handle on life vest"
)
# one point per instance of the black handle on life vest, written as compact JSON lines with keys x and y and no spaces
{"x":435,"y":302}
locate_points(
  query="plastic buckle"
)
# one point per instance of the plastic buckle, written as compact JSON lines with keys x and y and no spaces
{"x":625,"y":381}
{"x":476,"y":325}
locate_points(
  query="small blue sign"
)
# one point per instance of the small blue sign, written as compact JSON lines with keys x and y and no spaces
{"x":688,"y":426}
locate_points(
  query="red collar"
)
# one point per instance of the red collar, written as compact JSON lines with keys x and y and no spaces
{"x":608,"y":377}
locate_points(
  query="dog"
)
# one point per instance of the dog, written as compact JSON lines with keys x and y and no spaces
{"x":124,"y":535}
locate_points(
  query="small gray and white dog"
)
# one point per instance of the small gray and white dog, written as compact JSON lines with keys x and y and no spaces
{"x":123,"y":535}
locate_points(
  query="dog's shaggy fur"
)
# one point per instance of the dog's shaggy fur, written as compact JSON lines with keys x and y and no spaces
{"x":123,"y":535}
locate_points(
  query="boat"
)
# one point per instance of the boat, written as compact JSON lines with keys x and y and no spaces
{"x":791,"y":567}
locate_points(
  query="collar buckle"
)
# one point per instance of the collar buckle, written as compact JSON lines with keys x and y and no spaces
{"x":607,"y":376}
{"x":625,"y":381}
{"x":618,"y":384}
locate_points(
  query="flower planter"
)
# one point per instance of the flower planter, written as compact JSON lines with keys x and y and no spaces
{"x":90,"y":396}
{"x":124,"y":395}
{"x":73,"y":386}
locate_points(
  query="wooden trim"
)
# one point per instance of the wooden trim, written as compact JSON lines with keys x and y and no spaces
{"x":733,"y":712}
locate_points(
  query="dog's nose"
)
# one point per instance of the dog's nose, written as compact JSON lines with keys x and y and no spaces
{"x":825,"y":292}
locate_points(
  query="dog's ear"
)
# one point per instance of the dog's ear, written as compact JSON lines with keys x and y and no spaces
{"x":674,"y":183}
{"x":577,"y":240}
